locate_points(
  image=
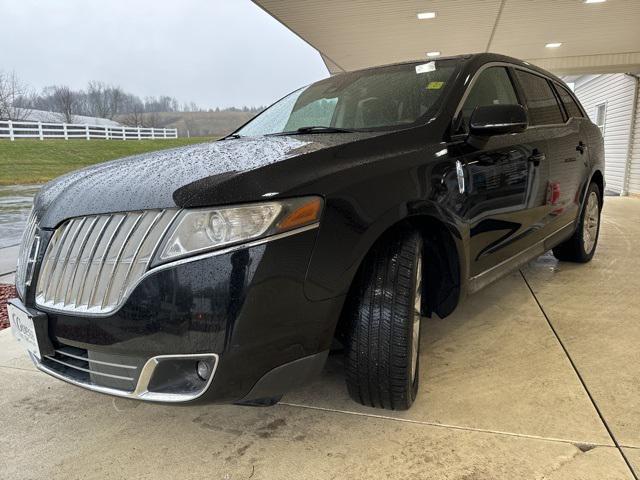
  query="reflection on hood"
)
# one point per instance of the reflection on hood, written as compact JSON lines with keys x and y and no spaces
{"x":151,"y":179}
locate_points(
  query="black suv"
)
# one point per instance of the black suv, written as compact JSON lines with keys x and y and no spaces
{"x":347,"y":210}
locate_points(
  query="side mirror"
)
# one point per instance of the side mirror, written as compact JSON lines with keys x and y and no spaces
{"x":498,"y":120}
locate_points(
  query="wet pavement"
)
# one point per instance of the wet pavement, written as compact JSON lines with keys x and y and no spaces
{"x":535,"y":377}
{"x":15,"y":204}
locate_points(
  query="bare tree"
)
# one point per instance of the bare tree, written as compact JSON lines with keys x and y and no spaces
{"x":135,"y":112}
{"x":98,"y":100}
{"x":151,"y":119}
{"x":65,"y":102}
{"x":115,"y":96}
{"x":13,"y":95}
{"x":190,"y":124}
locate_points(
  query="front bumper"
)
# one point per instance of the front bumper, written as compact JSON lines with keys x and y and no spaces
{"x":243,"y":311}
{"x":77,"y":371}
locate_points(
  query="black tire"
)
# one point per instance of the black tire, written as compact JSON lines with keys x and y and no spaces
{"x":582,"y":245}
{"x":382,"y":360}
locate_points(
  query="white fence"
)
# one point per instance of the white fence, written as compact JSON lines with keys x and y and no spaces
{"x":13,"y":129}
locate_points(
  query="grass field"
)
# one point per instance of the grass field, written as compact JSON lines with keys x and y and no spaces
{"x":37,"y":161}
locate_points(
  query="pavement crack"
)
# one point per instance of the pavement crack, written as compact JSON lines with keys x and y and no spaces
{"x":450,"y":426}
{"x":30,"y":370}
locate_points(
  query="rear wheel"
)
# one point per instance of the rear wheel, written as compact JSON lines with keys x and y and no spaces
{"x":582,"y":245}
{"x":383,"y":338}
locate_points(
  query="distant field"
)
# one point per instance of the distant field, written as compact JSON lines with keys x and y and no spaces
{"x":36,"y":161}
{"x":209,"y":124}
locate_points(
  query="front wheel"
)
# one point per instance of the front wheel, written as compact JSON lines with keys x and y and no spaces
{"x":383,"y":339}
{"x":582,"y":245}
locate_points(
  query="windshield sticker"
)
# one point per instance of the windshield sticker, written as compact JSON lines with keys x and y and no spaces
{"x":426,"y":67}
{"x":435,"y":85}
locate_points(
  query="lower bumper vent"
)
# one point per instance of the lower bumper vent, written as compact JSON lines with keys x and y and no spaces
{"x":163,"y":378}
{"x":93,"y":368}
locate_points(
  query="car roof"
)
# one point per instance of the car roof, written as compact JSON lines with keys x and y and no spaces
{"x":479,"y":58}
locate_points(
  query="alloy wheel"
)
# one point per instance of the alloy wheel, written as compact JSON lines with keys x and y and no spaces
{"x":591,"y":222}
{"x":415,"y":340}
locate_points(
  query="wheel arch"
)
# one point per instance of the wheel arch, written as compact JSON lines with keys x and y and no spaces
{"x":598,"y":178}
{"x":442,"y":271}
{"x":443,"y":267}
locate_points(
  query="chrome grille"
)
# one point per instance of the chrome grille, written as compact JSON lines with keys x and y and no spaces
{"x":23,"y":255}
{"x":92,"y":262}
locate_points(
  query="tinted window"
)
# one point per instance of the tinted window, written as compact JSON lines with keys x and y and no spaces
{"x":543,"y":107}
{"x":492,"y":87}
{"x":569,"y":103}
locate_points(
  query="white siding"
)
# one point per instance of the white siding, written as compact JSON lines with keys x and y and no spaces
{"x":633,"y":181}
{"x":617,"y":91}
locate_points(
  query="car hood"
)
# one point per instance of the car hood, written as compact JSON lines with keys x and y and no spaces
{"x":226,"y":171}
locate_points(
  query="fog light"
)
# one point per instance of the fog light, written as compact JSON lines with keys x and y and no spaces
{"x":204,"y":370}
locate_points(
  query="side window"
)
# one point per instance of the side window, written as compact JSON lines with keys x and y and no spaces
{"x":569,"y":103}
{"x":543,"y":107}
{"x":492,"y":87}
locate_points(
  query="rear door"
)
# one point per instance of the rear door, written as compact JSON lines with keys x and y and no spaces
{"x":505,"y":177}
{"x":562,"y":135}
{"x":581,"y":168}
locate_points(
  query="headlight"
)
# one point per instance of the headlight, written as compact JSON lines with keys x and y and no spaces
{"x":200,"y":230}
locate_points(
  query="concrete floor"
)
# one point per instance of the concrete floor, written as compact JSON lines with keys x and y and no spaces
{"x":500,"y":398}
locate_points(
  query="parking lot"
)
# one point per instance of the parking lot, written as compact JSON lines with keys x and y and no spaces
{"x":535,"y":377}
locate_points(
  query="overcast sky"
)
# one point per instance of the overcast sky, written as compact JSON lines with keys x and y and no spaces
{"x":214,"y":52}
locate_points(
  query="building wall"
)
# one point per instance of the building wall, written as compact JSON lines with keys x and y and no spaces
{"x":633,"y":181}
{"x":617,"y":92}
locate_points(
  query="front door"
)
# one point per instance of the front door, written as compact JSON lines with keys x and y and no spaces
{"x":505,"y":179}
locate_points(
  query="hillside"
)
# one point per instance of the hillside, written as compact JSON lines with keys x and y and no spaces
{"x":198,"y":124}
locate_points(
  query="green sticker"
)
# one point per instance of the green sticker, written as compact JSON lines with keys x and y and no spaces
{"x":435,"y":85}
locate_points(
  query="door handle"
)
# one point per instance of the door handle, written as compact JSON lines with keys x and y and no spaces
{"x":537,"y":157}
{"x":581,"y":147}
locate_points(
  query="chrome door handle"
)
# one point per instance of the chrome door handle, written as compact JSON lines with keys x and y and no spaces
{"x":581,"y":147}
{"x":537,"y":157}
{"x":460,"y":176}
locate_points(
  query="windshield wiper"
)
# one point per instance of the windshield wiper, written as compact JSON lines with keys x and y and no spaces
{"x":323,"y":129}
{"x":314,"y":129}
{"x":232,"y":135}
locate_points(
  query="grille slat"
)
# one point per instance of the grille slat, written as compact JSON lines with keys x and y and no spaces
{"x":71,"y":293}
{"x":121,"y":249}
{"x":106,"y":247}
{"x":25,"y":247}
{"x":138,"y":249}
{"x":88,"y":370}
{"x":107,"y":221}
{"x":99,"y":362}
{"x":55,"y":263}
{"x":92,"y":262}
{"x":61,"y":285}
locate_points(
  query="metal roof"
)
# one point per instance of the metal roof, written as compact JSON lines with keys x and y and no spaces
{"x":352,"y":34}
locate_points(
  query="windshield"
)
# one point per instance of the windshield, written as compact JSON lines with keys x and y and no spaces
{"x":390,"y":97}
